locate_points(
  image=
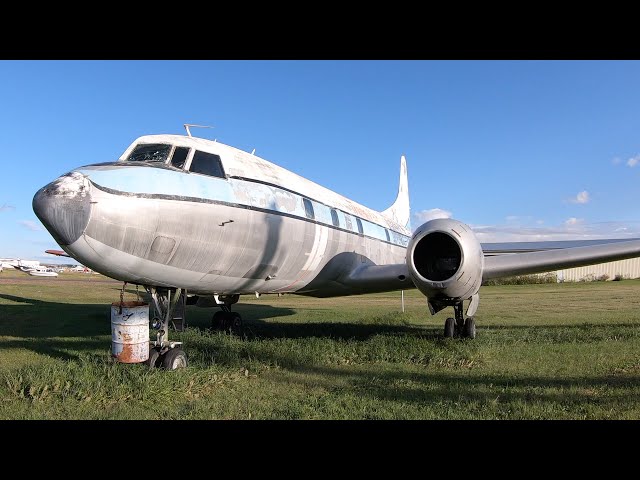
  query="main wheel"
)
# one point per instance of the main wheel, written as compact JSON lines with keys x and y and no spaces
{"x":234,"y":324}
{"x":459,"y":328}
{"x":470,"y":328}
{"x":154,"y":358}
{"x":218,"y":320}
{"x":174,"y":359}
{"x":449,"y":327}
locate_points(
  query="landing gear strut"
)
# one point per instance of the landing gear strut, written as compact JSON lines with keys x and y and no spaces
{"x":225,"y":320}
{"x":169,"y":307}
{"x":458,"y":326}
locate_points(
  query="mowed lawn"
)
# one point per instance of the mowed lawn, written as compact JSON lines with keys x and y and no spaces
{"x":550,"y":351}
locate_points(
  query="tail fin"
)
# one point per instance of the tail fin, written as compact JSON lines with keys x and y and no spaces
{"x":400,"y":210}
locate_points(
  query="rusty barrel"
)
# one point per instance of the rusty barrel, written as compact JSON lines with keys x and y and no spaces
{"x":130,"y":331}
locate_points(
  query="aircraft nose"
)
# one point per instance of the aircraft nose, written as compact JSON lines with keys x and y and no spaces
{"x":64,"y":207}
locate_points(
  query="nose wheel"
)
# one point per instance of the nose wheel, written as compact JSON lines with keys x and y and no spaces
{"x":166,"y":358}
{"x":173,"y":359}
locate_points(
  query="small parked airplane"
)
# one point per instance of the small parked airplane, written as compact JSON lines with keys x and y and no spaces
{"x":43,"y":272}
{"x":200,"y":222}
{"x":24,"y":268}
{"x":36,"y":271}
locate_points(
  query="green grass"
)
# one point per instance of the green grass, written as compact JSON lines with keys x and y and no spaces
{"x":545,"y":351}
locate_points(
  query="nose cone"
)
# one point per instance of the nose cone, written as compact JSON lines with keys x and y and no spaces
{"x":64,"y":207}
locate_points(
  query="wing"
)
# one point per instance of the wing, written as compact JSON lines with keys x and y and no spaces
{"x":504,"y":264}
{"x":490,"y":249}
{"x":504,"y":260}
{"x":59,"y":253}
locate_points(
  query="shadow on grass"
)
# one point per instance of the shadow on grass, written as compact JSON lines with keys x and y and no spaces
{"x":59,"y":329}
{"x":338,"y":331}
{"x":495,"y":395}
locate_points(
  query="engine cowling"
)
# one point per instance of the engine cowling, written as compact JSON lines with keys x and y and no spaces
{"x":445,"y":261}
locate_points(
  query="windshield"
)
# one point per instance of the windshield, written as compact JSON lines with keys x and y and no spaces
{"x":149,"y":152}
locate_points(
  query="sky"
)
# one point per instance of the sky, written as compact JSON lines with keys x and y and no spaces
{"x":521,"y":150}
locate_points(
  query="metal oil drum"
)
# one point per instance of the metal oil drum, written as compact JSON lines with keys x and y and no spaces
{"x":130,"y":331}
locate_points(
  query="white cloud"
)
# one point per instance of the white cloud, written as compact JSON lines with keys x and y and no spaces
{"x":6,"y":208}
{"x":572,"y":221}
{"x":582,"y":197}
{"x":616,"y":161}
{"x":632,"y":162}
{"x":33,"y":226}
{"x":426,"y":215}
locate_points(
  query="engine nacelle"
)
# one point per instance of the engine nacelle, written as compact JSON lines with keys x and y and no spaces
{"x":445,"y":261}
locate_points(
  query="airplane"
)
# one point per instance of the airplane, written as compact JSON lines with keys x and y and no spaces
{"x":196,"y":221}
{"x":24,"y":268}
{"x":35,"y":271}
{"x":43,"y":272}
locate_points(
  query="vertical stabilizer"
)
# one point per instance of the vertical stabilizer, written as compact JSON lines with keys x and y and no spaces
{"x":399,"y":211}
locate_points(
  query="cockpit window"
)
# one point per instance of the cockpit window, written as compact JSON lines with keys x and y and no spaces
{"x":207,"y":164}
{"x":179,"y":156}
{"x":150,"y":152}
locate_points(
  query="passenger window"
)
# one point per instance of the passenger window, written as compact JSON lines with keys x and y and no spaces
{"x":308,"y":208}
{"x":179,"y":156}
{"x":334,"y":218}
{"x":359,"y":225}
{"x":206,"y":164}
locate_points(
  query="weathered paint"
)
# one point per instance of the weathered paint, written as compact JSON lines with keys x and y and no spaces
{"x":130,"y":238}
{"x":238,"y":163}
{"x":163,"y":227}
{"x":149,"y":182}
{"x":245,"y":233}
{"x":130,"y":331}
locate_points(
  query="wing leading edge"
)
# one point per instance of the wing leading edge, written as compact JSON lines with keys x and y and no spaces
{"x":544,"y":261}
{"x":500,"y":263}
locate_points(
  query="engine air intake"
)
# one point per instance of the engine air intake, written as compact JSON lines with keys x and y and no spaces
{"x":437,"y":257}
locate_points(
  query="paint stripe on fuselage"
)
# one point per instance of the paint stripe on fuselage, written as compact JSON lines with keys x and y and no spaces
{"x":164,"y":183}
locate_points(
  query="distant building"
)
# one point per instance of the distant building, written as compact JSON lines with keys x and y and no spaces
{"x":80,"y":268}
{"x":11,"y":262}
{"x":629,"y":268}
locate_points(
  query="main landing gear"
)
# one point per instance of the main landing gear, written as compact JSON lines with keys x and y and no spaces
{"x":225,"y":320}
{"x":169,"y":306}
{"x":458,"y":326}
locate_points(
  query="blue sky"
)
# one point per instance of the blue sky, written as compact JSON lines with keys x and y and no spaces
{"x":519,"y":150}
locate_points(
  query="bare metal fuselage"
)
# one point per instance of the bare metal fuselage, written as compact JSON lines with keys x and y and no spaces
{"x":235,"y":235}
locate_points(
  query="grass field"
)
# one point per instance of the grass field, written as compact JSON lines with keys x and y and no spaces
{"x":549,"y":351}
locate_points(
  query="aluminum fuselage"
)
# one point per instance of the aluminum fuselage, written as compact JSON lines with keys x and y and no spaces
{"x":248,"y":232}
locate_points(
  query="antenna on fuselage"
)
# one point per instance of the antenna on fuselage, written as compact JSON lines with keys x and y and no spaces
{"x":187,"y":125}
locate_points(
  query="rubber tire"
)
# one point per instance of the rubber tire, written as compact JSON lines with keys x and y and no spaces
{"x":174,"y":359}
{"x":218,"y":320}
{"x":154,"y":358}
{"x":470,"y":328}
{"x":449,"y":327}
{"x":234,"y":324}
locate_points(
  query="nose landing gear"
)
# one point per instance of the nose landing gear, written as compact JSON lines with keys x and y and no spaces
{"x":169,"y":305}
